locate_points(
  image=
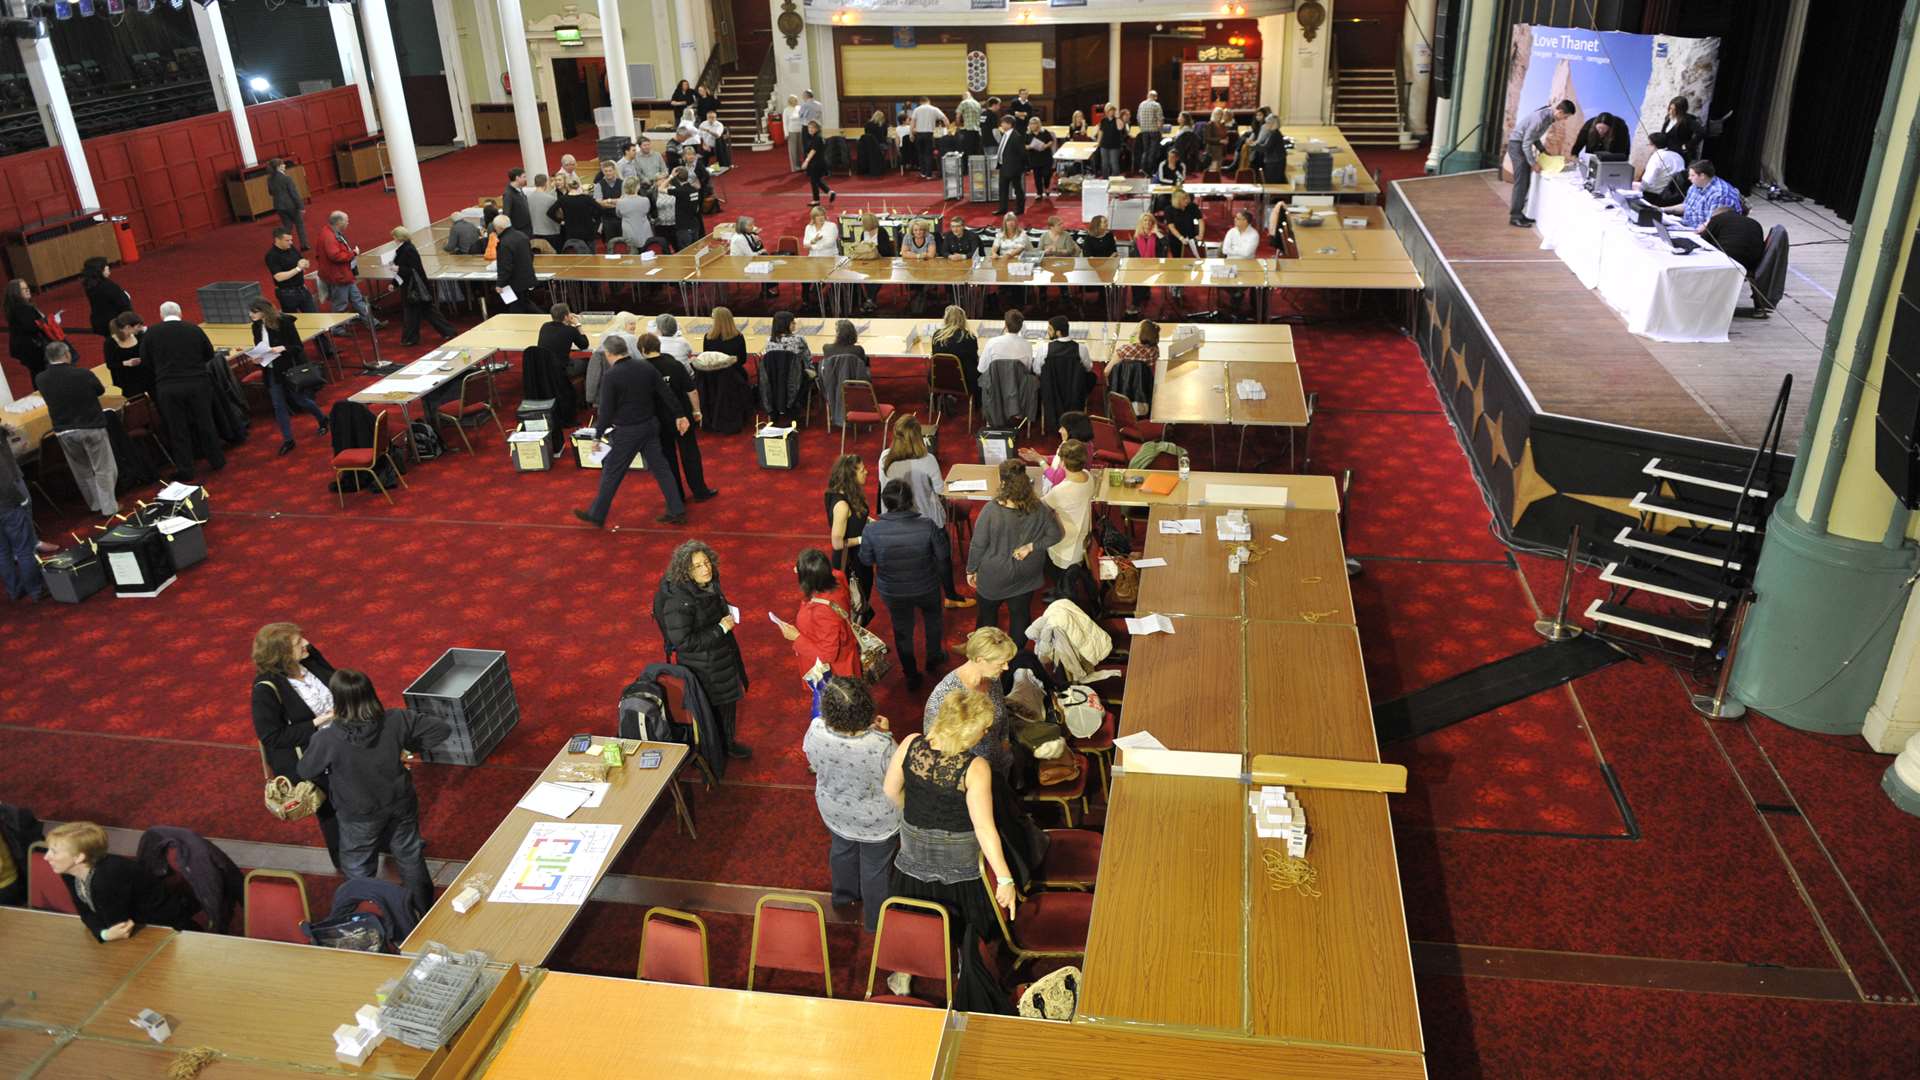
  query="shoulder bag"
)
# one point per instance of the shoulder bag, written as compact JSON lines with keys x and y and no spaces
{"x":875,"y":660}
{"x":285,"y":799}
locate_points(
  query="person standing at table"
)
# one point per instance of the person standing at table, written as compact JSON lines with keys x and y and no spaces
{"x":289,"y":273}
{"x":848,"y":745}
{"x":681,"y":447}
{"x":1005,"y":563}
{"x":513,"y":202}
{"x":28,"y":331}
{"x":123,"y":355}
{"x":276,"y":328}
{"x":1151,"y":119}
{"x":698,"y":623}
{"x":416,"y":291}
{"x":73,"y":405}
{"x":1524,"y":147}
{"x":287,"y":202}
{"x":105,"y":298}
{"x":337,"y":255}
{"x":628,"y":411}
{"x":178,"y":354}
{"x":289,"y":700}
{"x":513,"y":267}
{"x":1011,"y":145}
{"x":361,"y":752}
{"x":112,"y":894}
{"x":926,"y":117}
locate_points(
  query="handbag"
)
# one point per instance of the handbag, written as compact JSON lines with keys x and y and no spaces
{"x":876,"y":660}
{"x":285,"y":799}
{"x":1082,"y":711}
{"x":306,"y":377}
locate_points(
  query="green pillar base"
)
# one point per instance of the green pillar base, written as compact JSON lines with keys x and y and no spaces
{"x":1821,"y":601}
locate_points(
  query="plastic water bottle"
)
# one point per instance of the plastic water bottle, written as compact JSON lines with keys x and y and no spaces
{"x":1184,"y":468}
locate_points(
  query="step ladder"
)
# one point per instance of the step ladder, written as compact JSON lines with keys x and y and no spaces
{"x":1677,"y":577}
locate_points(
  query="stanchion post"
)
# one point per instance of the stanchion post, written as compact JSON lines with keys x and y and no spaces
{"x":1557,"y":628}
{"x":1716,"y":706}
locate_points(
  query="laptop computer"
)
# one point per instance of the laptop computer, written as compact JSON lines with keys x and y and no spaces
{"x":1684,"y":245}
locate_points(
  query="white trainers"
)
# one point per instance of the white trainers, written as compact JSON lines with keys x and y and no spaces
{"x":900,"y":984}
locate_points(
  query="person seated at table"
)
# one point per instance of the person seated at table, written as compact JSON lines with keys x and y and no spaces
{"x":1706,"y":193}
{"x":723,"y":336}
{"x":871,"y":157}
{"x":958,"y":243}
{"x":1130,"y":373}
{"x":1011,"y":344}
{"x":918,"y":245}
{"x":957,"y":341}
{"x":821,"y":634}
{"x":1065,"y":370}
{"x":849,"y":749}
{"x":1738,"y":235}
{"x":562,"y":339}
{"x":1010,"y":242}
{"x":1148,"y":243}
{"x":113,"y":896}
{"x":1662,"y":180}
{"x":1240,"y":242}
{"x":1077,"y":128}
{"x":1185,"y":226}
{"x":1170,"y":171}
{"x":1098,"y":241}
{"x":1073,"y":426}
{"x":876,"y":242}
{"x":821,"y":237}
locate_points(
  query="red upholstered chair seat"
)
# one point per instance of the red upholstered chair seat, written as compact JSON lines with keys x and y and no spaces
{"x":896,"y":999}
{"x":1054,"y":921}
{"x":355,"y":459}
{"x":1073,"y":858}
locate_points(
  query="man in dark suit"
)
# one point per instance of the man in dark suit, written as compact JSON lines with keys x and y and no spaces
{"x":1012,"y":148}
{"x":562,"y":338}
{"x":1738,"y":235}
{"x":178,"y":353}
{"x":514,"y":202}
{"x":632,"y":400}
{"x":286,"y":199}
{"x":513,"y":266}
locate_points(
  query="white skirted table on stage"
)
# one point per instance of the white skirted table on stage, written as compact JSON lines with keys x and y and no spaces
{"x":1661,"y":294}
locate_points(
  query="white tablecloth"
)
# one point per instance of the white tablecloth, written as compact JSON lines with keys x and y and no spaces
{"x":1661,"y":294}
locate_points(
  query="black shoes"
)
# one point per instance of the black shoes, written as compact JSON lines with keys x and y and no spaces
{"x":589,"y":519}
{"x":324,"y":428}
{"x":703,"y":496}
{"x":738,"y":751}
{"x":671,"y":519}
{"x":286,"y":448}
{"x":1521,"y":222}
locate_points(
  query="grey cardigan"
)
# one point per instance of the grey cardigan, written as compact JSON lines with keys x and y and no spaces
{"x":995,"y":535}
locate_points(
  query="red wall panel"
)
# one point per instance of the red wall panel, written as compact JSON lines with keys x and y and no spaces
{"x":170,"y":179}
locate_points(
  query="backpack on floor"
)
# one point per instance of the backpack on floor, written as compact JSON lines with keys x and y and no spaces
{"x":426,"y":440}
{"x":356,"y":931}
{"x":646,"y":714}
{"x":1114,"y":539}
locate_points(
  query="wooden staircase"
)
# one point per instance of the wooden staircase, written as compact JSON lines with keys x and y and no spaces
{"x":1677,"y":588}
{"x":1367,"y":107}
{"x":739,"y":111}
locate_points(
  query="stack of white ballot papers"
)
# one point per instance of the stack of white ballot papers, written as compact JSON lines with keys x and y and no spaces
{"x":1180,"y":526}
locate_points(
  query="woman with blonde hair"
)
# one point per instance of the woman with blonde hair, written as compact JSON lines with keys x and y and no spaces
{"x":290,"y":701}
{"x":112,"y":894}
{"x":956,"y":340}
{"x":945,"y":792}
{"x":989,"y":652}
{"x":1006,"y":563}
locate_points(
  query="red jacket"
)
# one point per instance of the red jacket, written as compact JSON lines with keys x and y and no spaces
{"x":335,"y":258}
{"x":825,"y":635}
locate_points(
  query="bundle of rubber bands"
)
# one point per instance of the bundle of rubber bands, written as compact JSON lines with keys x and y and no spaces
{"x":187,"y":1064}
{"x":1286,"y":872}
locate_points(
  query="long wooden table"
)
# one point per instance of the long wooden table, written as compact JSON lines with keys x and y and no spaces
{"x":1198,"y":489}
{"x":583,"y":1026}
{"x":526,"y":933}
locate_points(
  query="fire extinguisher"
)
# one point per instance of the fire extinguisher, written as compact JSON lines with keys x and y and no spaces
{"x":506,"y":82}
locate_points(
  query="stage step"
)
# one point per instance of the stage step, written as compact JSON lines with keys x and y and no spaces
{"x":1658,"y":582}
{"x":1706,"y":553}
{"x":1728,"y":478}
{"x":1692,"y":632}
{"x":1686,"y":509}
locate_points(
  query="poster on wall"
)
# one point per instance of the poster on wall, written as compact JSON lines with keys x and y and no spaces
{"x":1631,"y":76}
{"x":1236,"y":82}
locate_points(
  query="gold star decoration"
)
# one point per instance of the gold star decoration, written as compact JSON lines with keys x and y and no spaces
{"x":1530,"y":487}
{"x":1499,"y":436}
{"x":1480,"y":408}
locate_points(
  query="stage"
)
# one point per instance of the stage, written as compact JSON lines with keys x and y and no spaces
{"x":1558,"y":404}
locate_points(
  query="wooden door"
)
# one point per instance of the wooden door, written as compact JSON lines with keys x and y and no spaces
{"x":723,"y":37}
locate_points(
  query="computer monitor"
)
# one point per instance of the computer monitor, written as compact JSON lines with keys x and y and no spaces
{"x":1642,"y":213}
{"x":1605,"y":176}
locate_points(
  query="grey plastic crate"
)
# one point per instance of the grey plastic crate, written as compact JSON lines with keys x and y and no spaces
{"x":471,"y":691}
{"x":226,"y":301}
{"x":610,"y":149}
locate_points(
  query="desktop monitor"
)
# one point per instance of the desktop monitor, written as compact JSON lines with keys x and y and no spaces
{"x":1605,"y":176}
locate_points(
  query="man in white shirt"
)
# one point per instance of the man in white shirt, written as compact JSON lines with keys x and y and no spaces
{"x":671,"y":343}
{"x":1010,"y":345}
{"x":926,"y":117}
{"x":746,"y":243}
{"x":811,"y":110}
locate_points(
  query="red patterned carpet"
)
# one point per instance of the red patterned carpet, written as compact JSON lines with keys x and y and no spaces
{"x":133,"y":713}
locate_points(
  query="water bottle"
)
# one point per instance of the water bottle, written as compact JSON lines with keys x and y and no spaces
{"x":1184,"y":468}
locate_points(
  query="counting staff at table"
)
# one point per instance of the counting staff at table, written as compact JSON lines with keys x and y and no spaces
{"x":113,"y":895}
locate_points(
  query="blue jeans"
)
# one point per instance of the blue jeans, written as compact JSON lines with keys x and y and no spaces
{"x":342,"y":297}
{"x":398,"y":832}
{"x":18,"y":568}
{"x":282,"y":395}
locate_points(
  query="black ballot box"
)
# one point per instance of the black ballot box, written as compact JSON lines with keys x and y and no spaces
{"x":74,"y":574}
{"x":139,"y":559}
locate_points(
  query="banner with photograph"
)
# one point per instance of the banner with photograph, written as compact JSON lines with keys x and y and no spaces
{"x":1630,"y":76}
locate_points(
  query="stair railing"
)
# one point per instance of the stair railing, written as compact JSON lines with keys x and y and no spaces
{"x":762,"y":97}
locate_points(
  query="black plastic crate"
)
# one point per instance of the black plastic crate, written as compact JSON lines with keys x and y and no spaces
{"x":226,"y":301}
{"x":471,"y":691}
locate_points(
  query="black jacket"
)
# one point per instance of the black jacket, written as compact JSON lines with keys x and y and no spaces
{"x":513,"y":203}
{"x":579,"y":218}
{"x":120,"y":890}
{"x":632,"y":394}
{"x":561,"y":340}
{"x":1273,"y":158}
{"x":411,"y":274}
{"x":911,"y":554}
{"x":72,"y":395}
{"x":286,"y":193}
{"x":26,"y":341}
{"x":365,"y":778}
{"x":106,"y":299}
{"x":281,"y":718}
{"x":1064,"y":382}
{"x":947,"y":244}
{"x":1013,"y":158}
{"x":287,"y":336}
{"x":689,"y":617}
{"x":513,"y":263}
{"x":19,"y":829}
{"x":177,"y":351}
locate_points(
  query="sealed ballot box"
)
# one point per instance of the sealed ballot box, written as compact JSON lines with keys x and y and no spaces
{"x":589,"y":449}
{"x":531,"y":450}
{"x":139,"y":559}
{"x":74,"y":574}
{"x":778,"y":446}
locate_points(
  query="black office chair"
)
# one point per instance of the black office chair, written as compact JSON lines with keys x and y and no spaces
{"x":1769,"y":280}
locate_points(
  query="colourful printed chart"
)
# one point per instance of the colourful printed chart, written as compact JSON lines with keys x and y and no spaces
{"x":556,"y":864}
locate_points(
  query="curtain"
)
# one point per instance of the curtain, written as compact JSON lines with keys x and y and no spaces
{"x":1845,"y":60}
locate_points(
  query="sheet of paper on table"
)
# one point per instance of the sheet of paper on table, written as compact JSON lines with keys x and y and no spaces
{"x":1148,"y":564}
{"x":1179,"y":526}
{"x":968,"y":485}
{"x":1140,"y":740}
{"x":596,"y":792}
{"x":553,"y":800}
{"x":1150,"y":624}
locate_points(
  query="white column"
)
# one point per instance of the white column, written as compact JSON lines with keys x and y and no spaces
{"x":353,"y":64}
{"x":402,"y":161}
{"x":1304,"y":66}
{"x":613,"y":44}
{"x":1113,"y":66}
{"x":683,"y":29}
{"x":1273,"y":38}
{"x":526,"y":108}
{"x":43,"y":71}
{"x":226,"y":82}
{"x":492,"y":53}
{"x":454,"y":69}
{"x":791,"y":69}
{"x":1416,"y":40}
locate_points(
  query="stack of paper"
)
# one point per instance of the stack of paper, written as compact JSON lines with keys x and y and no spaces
{"x":758,"y":267}
{"x":1250,"y":390}
{"x":1277,"y":813}
{"x":1179,"y":527}
{"x":25,"y":404}
{"x":961,"y":486}
{"x":1233,"y":527}
{"x":555,"y":800}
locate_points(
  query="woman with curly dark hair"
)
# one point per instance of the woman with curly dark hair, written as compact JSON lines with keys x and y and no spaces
{"x":698,"y":624}
{"x":847,"y":515}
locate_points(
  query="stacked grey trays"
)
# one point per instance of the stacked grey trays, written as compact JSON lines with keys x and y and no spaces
{"x":1319,"y":170}
{"x":226,"y":301}
{"x":472,"y":692}
{"x":436,"y":996}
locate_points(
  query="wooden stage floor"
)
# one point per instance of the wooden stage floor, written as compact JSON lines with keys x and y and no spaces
{"x":1575,"y":353}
